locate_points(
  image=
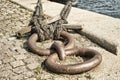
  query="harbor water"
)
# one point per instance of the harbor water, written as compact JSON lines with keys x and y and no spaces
{"x":107,"y":7}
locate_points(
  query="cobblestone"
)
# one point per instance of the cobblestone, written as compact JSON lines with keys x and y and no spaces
{"x":31,"y":79}
{"x":5,"y":67}
{"x":9,"y":18}
{"x":9,"y":59}
{"x":20,"y":56}
{"x":17,"y":63}
{"x":30,"y":60}
{"x":3,"y":55}
{"x":47,"y":76}
{"x":20,"y":69}
{"x":61,"y":79}
{"x":17,"y":77}
{"x":28,"y":74}
{"x":33,"y":65}
{"x":81,"y":78}
{"x":10,"y":53}
{"x":4,"y":79}
{"x":16,"y":49}
{"x":0,"y":62}
{"x":6,"y":73}
{"x":11,"y":38}
{"x":23,"y":51}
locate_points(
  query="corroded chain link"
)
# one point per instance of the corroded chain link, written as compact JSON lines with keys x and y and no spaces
{"x":48,"y":31}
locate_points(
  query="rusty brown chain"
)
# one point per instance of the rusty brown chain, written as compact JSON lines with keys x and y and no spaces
{"x":48,"y":31}
{"x":57,"y":50}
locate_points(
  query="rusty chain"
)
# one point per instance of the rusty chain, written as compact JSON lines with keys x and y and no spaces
{"x":55,"y":30}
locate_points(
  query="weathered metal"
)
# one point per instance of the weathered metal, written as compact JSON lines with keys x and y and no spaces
{"x":67,"y":26}
{"x":33,"y":39}
{"x":54,"y":30}
{"x":49,"y":29}
{"x":95,"y":59}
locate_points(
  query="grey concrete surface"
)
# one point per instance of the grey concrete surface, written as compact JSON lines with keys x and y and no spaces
{"x":18,"y":63}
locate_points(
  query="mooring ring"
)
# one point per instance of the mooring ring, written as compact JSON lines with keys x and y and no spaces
{"x":34,"y":37}
{"x":94,"y":60}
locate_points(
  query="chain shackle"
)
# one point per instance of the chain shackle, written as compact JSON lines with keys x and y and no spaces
{"x":59,"y":48}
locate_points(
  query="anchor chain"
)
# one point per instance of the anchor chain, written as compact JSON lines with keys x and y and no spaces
{"x":48,"y":31}
{"x":60,"y":51}
{"x":42,"y":31}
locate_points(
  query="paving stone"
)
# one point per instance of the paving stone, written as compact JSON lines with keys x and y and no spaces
{"x":30,"y":60}
{"x":20,"y":69}
{"x":28,"y":74}
{"x":19,"y":56}
{"x":15,"y":48}
{"x":3,"y":55}
{"x":45,"y":76}
{"x":17,"y":63}
{"x":11,"y":38}
{"x":31,"y":79}
{"x":83,"y":78}
{"x":18,"y":43}
{"x":23,"y":51}
{"x":5,"y":47}
{"x":1,"y":35}
{"x":33,"y":65}
{"x":4,"y":79}
{"x":9,"y":59}
{"x":6,"y":73}
{"x":17,"y":77}
{"x":10,"y":53}
{"x":0,"y":62}
{"x":5,"y":67}
{"x":4,"y":40}
{"x":61,"y":78}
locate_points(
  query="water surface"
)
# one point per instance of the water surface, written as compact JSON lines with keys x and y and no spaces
{"x":107,"y":7}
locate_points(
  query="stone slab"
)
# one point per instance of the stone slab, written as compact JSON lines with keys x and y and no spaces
{"x":101,"y":29}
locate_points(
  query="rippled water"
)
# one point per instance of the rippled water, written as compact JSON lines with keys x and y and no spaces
{"x":107,"y":7}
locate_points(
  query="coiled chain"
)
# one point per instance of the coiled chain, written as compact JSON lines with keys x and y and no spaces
{"x":43,"y":31}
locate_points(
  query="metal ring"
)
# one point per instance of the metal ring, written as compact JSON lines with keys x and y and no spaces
{"x":59,"y":47}
{"x":95,"y":59}
{"x":33,"y":39}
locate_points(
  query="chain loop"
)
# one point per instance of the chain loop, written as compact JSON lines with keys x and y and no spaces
{"x":94,"y":60}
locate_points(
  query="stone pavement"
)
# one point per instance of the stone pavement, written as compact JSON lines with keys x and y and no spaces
{"x":18,"y":63}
